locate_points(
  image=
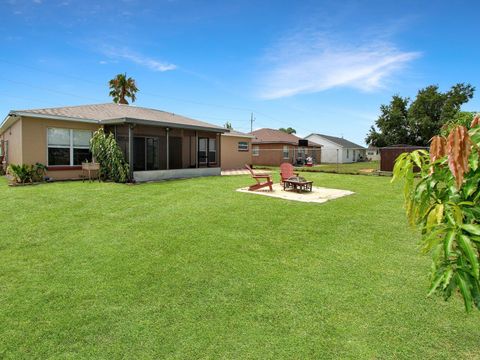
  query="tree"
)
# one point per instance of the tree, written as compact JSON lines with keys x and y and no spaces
{"x":122,"y":87}
{"x":415,"y":123}
{"x":288,"y":130}
{"x":228,"y":125}
{"x":393,"y":123}
{"x":443,"y":201}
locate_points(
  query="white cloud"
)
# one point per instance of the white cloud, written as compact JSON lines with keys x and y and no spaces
{"x":127,"y":54}
{"x":314,"y":62}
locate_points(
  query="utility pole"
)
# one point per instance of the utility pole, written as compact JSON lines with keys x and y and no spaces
{"x":252,"y":119}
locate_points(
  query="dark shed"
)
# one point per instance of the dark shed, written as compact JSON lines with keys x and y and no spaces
{"x":389,"y":154}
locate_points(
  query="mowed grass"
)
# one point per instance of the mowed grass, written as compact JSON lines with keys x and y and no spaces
{"x":192,"y":269}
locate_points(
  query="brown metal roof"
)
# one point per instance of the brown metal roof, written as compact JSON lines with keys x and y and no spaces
{"x":271,"y":136}
{"x":111,"y":112}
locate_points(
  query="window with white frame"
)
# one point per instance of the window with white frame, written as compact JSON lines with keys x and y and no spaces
{"x":348,"y":153}
{"x":242,"y":146}
{"x":285,"y":152}
{"x":255,"y":150}
{"x":68,"y":147}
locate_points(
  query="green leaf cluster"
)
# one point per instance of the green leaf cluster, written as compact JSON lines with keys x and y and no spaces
{"x":108,"y":154}
{"x":448,"y":218}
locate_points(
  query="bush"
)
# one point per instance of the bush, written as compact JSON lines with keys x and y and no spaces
{"x":444,"y":202}
{"x":27,"y":173}
{"x":108,"y":154}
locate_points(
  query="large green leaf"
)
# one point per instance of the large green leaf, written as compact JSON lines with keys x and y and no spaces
{"x":471,"y":252}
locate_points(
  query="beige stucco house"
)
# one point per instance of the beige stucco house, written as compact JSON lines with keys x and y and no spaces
{"x":157,"y":144}
{"x":236,"y":150}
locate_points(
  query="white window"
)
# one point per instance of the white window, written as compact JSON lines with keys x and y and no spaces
{"x":285,"y":152}
{"x":68,"y":147}
{"x":242,"y":146}
{"x":255,"y":150}
{"x":348,"y":153}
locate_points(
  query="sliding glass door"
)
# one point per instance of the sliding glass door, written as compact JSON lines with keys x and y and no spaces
{"x":146,"y":153}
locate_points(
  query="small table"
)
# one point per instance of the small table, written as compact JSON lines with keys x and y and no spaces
{"x":298,"y":184}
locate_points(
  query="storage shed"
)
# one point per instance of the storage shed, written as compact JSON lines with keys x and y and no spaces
{"x":389,"y":154}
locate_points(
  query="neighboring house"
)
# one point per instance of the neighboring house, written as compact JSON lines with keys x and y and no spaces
{"x":373,"y":153}
{"x":157,"y":144}
{"x":236,"y":150}
{"x":338,"y":150}
{"x":273,"y":147}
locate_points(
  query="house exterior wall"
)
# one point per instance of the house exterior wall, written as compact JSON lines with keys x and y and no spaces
{"x":34,"y":144}
{"x":231,"y":157}
{"x":272,"y":154}
{"x":329,"y":151}
{"x":14,"y":137}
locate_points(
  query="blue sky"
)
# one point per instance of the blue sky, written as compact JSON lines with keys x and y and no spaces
{"x":318,"y":66}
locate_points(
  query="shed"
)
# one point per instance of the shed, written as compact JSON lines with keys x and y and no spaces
{"x":389,"y":154}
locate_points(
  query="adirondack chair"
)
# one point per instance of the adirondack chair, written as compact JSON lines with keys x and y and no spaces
{"x":286,"y":171}
{"x":258,"y":177}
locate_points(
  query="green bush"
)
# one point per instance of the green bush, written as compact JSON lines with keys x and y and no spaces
{"x":108,"y":154}
{"x":444,"y":202}
{"x":24,"y":173}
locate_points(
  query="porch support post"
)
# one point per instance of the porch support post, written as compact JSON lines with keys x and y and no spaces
{"x":130,"y":149}
{"x":168,"y":148}
{"x":196,"y":149}
{"x":219,"y":149}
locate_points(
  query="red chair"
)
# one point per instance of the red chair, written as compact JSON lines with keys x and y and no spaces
{"x":286,"y":171}
{"x":257,"y":177}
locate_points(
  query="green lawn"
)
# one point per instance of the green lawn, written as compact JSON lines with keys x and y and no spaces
{"x":192,"y":269}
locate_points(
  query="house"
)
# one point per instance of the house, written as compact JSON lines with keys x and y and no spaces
{"x":338,"y":150}
{"x":373,"y":153}
{"x":273,"y":147}
{"x":236,"y":150}
{"x":157,"y":144}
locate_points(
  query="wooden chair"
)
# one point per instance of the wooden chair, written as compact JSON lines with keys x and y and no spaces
{"x":286,"y":171}
{"x":258,"y":177}
{"x":92,"y":170}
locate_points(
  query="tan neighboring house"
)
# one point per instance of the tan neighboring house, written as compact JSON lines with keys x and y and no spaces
{"x":157,"y":144}
{"x":236,"y":150}
{"x":273,"y":147}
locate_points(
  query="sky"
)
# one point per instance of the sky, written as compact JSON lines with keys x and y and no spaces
{"x":317,"y":66}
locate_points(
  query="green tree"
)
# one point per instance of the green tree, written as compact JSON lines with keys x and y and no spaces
{"x":121,"y":88}
{"x":393,"y":123}
{"x":415,"y":123}
{"x":442,"y":199}
{"x":228,"y":125}
{"x":288,"y":130}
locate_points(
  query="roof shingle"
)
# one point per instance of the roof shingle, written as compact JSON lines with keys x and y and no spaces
{"x":110,"y":111}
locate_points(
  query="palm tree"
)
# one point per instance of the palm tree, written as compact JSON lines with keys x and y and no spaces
{"x":122,"y":87}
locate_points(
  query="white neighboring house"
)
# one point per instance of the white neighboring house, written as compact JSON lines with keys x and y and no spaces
{"x":373,"y":153}
{"x":336,"y":149}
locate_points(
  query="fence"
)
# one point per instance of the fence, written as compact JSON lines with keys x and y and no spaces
{"x":346,"y":161}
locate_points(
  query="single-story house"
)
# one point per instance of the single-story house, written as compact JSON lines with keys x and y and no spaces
{"x":337,"y":149}
{"x":273,"y":147}
{"x":236,"y":150}
{"x":373,"y":153}
{"x":157,"y":144}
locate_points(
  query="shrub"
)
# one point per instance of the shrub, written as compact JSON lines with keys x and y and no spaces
{"x":24,"y":173}
{"x":444,"y":203}
{"x":108,"y":154}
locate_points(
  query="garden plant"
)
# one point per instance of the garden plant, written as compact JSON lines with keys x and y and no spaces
{"x":442,"y":195}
